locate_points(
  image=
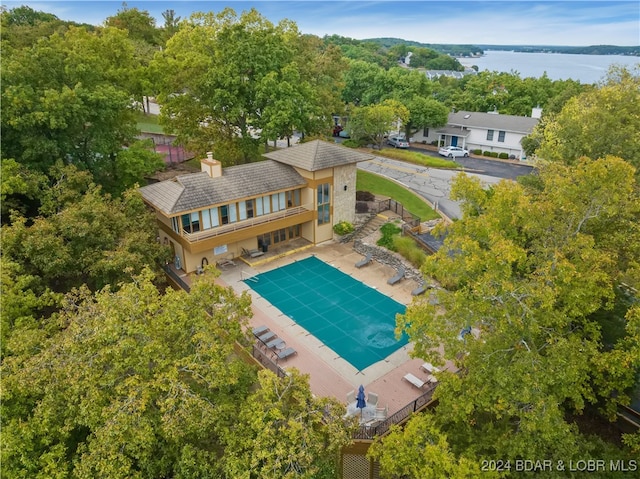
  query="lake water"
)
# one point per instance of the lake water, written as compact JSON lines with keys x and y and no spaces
{"x":559,"y":66}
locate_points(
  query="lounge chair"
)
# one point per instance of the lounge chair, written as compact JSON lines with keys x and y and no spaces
{"x":364,"y":261}
{"x":420,"y":290}
{"x":372,"y":400}
{"x":430,"y":368}
{"x":224,"y":262}
{"x":274,"y":343}
{"x":266,"y":337}
{"x":252,"y":253}
{"x":399,"y":275}
{"x":259,"y":330}
{"x":419,"y":383}
{"x":351,"y":397}
{"x":285,"y":353}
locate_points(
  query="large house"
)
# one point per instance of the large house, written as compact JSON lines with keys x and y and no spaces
{"x":222,"y":213}
{"x":483,"y":131}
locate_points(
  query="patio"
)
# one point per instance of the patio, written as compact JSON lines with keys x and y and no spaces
{"x":329,"y":374}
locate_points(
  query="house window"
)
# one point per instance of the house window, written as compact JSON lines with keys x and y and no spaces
{"x":175,"y":224}
{"x":210,"y":218}
{"x":490,"y":135}
{"x":250,"y":209}
{"x":263,"y":205}
{"x":294,"y":231}
{"x":501,"y":135}
{"x":245,"y":209}
{"x":224,"y":214}
{"x":191,"y":222}
{"x":293,"y":198}
{"x":425,"y":132}
{"x":278,"y":201}
{"x":279,"y":236}
{"x":324,"y":203}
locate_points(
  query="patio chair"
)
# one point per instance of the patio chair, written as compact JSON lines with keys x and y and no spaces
{"x":259,"y":330}
{"x":399,"y":275}
{"x":419,"y":383}
{"x":365,"y":261}
{"x":372,"y":400}
{"x":286,"y":353}
{"x":351,"y":397}
{"x":252,"y":253}
{"x":381,"y":413}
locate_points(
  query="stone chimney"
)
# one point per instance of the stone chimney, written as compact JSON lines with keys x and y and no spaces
{"x":212,"y":167}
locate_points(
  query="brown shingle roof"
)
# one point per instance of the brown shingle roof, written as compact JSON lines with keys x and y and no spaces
{"x":317,"y":155}
{"x":197,"y":190}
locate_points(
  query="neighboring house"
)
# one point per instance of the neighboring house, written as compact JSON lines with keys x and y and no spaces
{"x":435,"y":74}
{"x":483,"y":131}
{"x":298,"y":192}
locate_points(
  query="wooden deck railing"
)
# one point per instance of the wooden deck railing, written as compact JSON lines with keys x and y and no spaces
{"x":399,"y":417}
{"x":240,"y":225}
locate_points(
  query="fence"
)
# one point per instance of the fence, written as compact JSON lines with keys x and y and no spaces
{"x":399,"y":417}
{"x":177,"y":279}
{"x":388,"y":205}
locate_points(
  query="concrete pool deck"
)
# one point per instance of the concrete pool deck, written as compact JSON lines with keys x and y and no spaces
{"x":329,"y":374}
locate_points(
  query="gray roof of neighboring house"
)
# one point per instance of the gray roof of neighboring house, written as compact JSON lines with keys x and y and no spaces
{"x":317,"y":155}
{"x":453,"y":130}
{"x":197,"y":190}
{"x":492,"y":121}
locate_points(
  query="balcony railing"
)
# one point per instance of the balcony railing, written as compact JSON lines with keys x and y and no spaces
{"x":240,"y":225}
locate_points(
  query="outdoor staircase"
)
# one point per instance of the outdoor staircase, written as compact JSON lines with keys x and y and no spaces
{"x":370,"y":226}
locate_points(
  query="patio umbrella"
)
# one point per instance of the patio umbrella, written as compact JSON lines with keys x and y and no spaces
{"x":360,"y":402}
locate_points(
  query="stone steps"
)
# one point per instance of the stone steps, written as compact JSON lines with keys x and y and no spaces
{"x":371,"y":226}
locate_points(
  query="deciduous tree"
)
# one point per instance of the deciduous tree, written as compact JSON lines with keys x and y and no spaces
{"x":374,"y":122}
{"x":282,"y":431}
{"x":136,"y":383}
{"x":525,"y":271}
{"x":599,"y":122}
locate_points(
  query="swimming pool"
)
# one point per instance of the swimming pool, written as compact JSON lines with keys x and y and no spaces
{"x":353,"y":319}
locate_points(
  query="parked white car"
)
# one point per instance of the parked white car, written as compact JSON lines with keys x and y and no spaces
{"x":397,"y":142}
{"x":453,"y":151}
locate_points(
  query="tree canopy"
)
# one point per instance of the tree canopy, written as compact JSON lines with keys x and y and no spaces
{"x":230,"y":82}
{"x":599,"y":122}
{"x":527,"y":270}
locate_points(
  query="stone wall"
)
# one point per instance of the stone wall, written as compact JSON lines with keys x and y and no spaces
{"x":389,"y":258}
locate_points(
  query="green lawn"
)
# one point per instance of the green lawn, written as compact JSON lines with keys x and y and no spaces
{"x":381,"y":186}
{"x":415,"y":158}
{"x":148,"y":123}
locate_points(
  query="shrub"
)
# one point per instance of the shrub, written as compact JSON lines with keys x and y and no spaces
{"x":486,"y":153}
{"x":493,"y":154}
{"x":365,"y":196}
{"x":503,"y":156}
{"x":350,"y":143}
{"x":477,"y":152}
{"x":343,"y":228}
{"x":388,"y":230}
{"x":408,"y":248}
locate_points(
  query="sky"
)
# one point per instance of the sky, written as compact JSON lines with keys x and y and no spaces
{"x":503,"y":22}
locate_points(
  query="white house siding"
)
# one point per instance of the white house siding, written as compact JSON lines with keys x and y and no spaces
{"x":477,"y":139}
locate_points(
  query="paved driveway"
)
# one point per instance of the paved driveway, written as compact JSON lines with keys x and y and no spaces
{"x":433,"y":184}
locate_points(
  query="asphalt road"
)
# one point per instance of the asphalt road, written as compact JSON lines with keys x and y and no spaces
{"x":434,"y":184}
